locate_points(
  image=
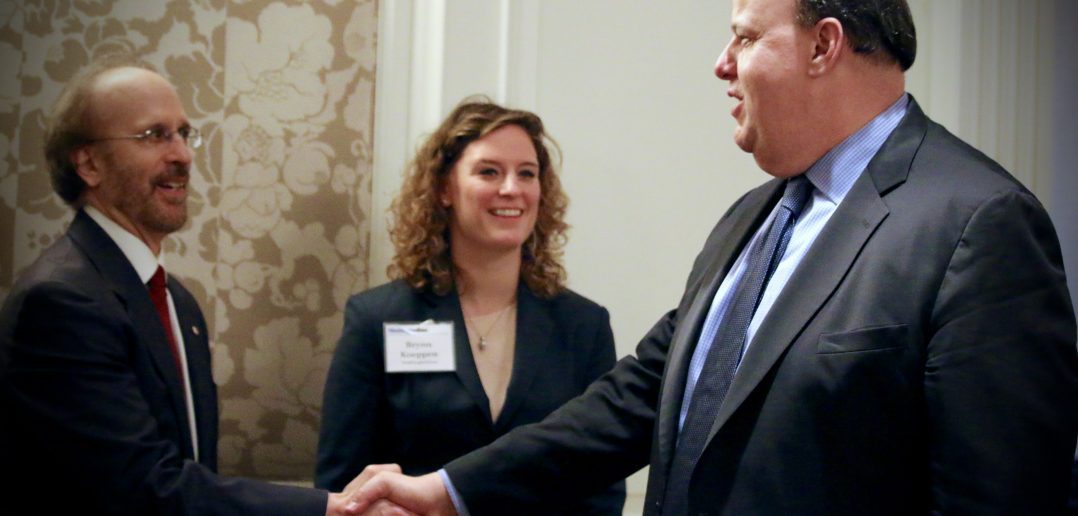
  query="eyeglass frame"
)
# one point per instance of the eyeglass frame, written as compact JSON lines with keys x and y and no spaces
{"x":159,"y":135}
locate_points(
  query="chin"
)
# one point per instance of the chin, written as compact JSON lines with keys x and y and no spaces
{"x":775,"y":167}
{"x":506,"y":246}
{"x":743,"y":142}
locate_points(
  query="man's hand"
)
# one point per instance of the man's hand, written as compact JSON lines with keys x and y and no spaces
{"x":339,"y":502}
{"x":368,"y":473}
{"x":339,"y":505}
{"x":420,"y":495}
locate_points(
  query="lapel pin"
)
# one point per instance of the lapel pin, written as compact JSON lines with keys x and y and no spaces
{"x":194,"y":329}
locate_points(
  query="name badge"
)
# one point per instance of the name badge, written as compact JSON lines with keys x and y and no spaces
{"x":424,"y":347}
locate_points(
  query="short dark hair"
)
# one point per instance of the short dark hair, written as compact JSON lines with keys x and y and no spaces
{"x":882,"y":28}
{"x":68,"y":128}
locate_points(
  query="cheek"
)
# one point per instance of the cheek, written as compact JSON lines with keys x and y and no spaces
{"x":534,"y":195}
{"x":472,"y":197}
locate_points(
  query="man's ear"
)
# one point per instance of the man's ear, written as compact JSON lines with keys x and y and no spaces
{"x":86,"y":166}
{"x":829,"y":43}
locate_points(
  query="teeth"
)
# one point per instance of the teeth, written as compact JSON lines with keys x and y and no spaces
{"x":508,"y":212}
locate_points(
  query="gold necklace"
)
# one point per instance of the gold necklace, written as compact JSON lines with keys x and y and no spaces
{"x":483,"y":335}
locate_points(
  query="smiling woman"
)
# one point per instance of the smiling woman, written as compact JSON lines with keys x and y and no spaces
{"x":478,"y":230}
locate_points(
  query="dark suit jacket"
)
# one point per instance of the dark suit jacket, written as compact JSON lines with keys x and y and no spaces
{"x":922,"y":358}
{"x":94,"y":414}
{"x":423,"y":420}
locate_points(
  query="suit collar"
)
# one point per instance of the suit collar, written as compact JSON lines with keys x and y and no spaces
{"x":720,"y":251}
{"x":109,"y":260}
{"x":534,"y":327}
{"x":105,"y":255}
{"x":890,"y":167}
{"x":832,"y":255}
{"x":134,"y":249}
{"x":835,"y":173}
{"x":447,"y":308}
{"x":819,"y":274}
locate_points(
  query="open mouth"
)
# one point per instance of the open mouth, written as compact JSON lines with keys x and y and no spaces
{"x":173,"y":190}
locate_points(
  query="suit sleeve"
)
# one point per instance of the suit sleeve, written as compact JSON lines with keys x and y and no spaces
{"x":70,"y":383}
{"x":356,"y":424}
{"x":1000,"y":373}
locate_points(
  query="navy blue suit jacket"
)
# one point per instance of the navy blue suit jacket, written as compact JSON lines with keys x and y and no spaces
{"x":92,"y":401}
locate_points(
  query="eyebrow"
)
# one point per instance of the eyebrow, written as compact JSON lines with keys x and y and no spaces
{"x":498,"y":163}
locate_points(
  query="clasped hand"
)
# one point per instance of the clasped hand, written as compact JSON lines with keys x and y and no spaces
{"x":381,"y":489}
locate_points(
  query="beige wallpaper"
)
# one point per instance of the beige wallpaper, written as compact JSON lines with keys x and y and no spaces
{"x":279,"y":229}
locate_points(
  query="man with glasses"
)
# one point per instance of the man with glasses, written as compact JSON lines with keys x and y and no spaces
{"x":105,"y":379}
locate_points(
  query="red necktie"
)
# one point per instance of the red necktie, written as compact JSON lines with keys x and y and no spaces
{"x":160,"y":302}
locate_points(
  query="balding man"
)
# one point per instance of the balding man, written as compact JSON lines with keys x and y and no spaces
{"x":883,"y":328}
{"x":107,"y":397}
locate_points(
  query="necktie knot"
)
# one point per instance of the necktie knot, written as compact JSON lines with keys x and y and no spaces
{"x":157,"y":281}
{"x":796,"y":196}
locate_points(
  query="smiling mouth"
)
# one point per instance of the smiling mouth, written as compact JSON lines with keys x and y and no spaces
{"x":507,"y":212}
{"x":173,"y":192}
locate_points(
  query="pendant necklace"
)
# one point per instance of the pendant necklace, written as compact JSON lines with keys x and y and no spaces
{"x":483,"y":335}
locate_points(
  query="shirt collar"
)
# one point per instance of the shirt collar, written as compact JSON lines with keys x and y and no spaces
{"x":136,"y":251}
{"x":835,"y":173}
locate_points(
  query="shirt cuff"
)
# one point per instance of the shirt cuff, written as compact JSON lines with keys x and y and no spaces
{"x":454,"y":496}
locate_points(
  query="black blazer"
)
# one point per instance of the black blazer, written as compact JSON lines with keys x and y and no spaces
{"x":423,"y":420}
{"x":93,"y":406}
{"x":921,"y":359}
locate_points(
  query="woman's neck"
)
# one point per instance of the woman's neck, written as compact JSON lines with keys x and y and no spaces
{"x":486,"y":282}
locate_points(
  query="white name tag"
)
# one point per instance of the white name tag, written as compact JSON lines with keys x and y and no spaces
{"x":419,"y":347}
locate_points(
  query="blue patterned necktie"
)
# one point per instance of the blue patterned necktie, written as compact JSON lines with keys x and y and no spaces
{"x":725,"y":353}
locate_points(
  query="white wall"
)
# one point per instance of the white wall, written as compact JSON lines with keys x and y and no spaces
{"x":626,"y":88}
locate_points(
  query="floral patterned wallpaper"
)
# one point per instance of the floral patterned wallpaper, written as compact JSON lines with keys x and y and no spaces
{"x":279,"y":229}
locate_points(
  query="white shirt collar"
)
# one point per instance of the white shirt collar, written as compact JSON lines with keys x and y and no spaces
{"x":136,"y":251}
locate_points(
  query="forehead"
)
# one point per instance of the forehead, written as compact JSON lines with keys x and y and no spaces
{"x":133,"y":98}
{"x":508,"y":140}
{"x":763,"y":12}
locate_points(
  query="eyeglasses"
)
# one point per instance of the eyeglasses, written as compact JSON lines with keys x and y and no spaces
{"x":161,"y":136}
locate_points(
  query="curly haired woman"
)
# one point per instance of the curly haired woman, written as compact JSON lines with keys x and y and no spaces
{"x":478,"y":230}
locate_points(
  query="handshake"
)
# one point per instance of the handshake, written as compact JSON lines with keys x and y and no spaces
{"x":381,"y":489}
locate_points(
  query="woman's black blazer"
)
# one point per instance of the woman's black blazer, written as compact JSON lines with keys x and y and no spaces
{"x":421,"y":421}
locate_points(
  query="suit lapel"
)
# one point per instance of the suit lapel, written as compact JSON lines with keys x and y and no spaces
{"x":535,"y":326}
{"x":200,"y":370}
{"x":447,"y":308}
{"x":828,"y":261}
{"x":723,"y":247}
{"x":110,"y":261}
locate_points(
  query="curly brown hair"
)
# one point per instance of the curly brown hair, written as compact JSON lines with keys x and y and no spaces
{"x":419,"y":223}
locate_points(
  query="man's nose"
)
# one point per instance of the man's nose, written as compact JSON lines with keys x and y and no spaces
{"x":725,"y":66}
{"x":178,"y":150}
